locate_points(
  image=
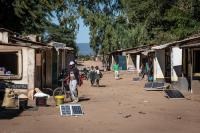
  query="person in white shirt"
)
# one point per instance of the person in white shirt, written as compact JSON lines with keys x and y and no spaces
{"x":73,"y":73}
{"x":98,"y":75}
{"x":92,"y":75}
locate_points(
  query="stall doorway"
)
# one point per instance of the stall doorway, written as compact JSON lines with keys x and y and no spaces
{"x":196,"y":64}
{"x":122,"y":62}
{"x":168,"y":65}
{"x":133,"y":58}
{"x":196,"y":72}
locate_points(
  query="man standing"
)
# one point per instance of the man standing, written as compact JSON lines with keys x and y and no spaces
{"x":116,"y":70}
{"x":74,"y":81}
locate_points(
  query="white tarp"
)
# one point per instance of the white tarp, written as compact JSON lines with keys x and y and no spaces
{"x":41,"y":94}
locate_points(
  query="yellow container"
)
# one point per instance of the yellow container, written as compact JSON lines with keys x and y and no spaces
{"x":59,"y":100}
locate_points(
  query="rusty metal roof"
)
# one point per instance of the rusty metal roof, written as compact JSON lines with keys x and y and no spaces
{"x":191,"y":45}
{"x":176,"y":43}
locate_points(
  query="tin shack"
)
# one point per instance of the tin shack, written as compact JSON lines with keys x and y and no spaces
{"x":22,"y":61}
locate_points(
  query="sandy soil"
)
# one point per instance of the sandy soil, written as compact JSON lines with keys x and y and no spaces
{"x":121,"y":106}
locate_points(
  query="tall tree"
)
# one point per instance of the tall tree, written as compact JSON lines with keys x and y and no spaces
{"x":36,"y":16}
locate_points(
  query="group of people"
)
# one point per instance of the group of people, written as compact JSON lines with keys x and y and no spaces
{"x":94,"y":75}
{"x":73,"y":79}
{"x":147,"y":69}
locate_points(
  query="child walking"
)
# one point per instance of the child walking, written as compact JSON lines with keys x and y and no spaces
{"x":98,"y":75}
{"x":92,"y":75}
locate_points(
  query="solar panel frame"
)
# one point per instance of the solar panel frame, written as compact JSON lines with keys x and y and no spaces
{"x":71,"y":110}
{"x":148,"y":85}
{"x":76,"y":109}
{"x":68,"y":109}
{"x":154,"y":86}
{"x":175,"y":91}
{"x":157,"y":85}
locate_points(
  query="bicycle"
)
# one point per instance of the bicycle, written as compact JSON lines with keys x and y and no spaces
{"x":63,"y":90}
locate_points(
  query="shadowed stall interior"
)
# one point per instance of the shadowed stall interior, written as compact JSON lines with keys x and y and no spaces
{"x":9,"y":60}
{"x":196,"y":66}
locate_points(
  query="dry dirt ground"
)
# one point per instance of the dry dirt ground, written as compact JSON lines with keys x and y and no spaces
{"x":121,"y":106}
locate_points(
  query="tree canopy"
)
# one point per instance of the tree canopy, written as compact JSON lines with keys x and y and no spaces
{"x":36,"y":17}
{"x":113,"y":24}
{"x":117,"y":24}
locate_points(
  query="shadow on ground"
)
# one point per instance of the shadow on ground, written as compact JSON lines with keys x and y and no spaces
{"x":9,"y":113}
{"x":99,"y":86}
{"x":83,"y":98}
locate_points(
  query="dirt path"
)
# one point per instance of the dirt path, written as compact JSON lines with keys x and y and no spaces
{"x":120,"y":107}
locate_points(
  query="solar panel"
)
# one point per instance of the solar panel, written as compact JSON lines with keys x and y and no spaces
{"x":76,"y":110}
{"x":70,"y":109}
{"x":65,"y":110}
{"x":148,"y":85}
{"x":154,"y":86}
{"x":174,"y":94}
{"x":157,"y":85}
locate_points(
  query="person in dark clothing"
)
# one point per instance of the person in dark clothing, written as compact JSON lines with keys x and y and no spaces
{"x":92,"y":75}
{"x":98,"y":75}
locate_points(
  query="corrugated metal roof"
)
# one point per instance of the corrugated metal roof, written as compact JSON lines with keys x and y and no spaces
{"x":176,"y":43}
{"x":23,"y":45}
{"x":191,"y":45}
{"x":58,"y":45}
{"x":27,"y":41}
{"x":162,"y":46}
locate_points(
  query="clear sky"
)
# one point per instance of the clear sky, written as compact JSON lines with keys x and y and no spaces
{"x":83,"y":33}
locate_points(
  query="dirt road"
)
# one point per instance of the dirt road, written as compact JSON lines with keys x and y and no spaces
{"x":121,"y":106}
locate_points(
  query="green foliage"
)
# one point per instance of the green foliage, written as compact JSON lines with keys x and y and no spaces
{"x":85,"y":57}
{"x":35,"y":17}
{"x":118,"y":24}
{"x":113,"y":24}
{"x":161,"y":21}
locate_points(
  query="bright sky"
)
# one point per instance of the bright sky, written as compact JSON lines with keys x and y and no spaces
{"x":83,"y":33}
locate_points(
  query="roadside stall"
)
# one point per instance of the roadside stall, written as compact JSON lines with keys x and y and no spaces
{"x":22,"y":63}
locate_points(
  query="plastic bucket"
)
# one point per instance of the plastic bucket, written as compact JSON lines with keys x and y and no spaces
{"x":23,"y":102}
{"x":41,"y":101}
{"x":59,"y":100}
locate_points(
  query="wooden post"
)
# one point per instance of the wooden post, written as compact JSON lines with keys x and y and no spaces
{"x":191,"y":68}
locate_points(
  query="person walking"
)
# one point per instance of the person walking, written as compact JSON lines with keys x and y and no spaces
{"x":98,"y":75}
{"x":74,"y":81}
{"x":92,"y":75}
{"x":116,"y":70}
